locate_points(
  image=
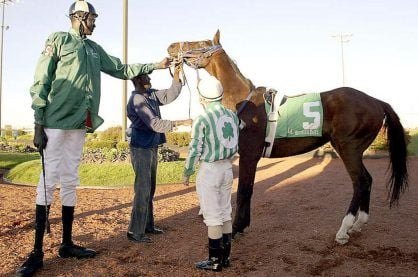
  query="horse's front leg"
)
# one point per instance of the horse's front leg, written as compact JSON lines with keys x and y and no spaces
{"x":247,"y":170}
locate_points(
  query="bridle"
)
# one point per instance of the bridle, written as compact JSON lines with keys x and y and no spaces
{"x":194,"y":59}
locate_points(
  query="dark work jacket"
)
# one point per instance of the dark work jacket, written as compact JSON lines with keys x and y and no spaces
{"x":143,"y":110}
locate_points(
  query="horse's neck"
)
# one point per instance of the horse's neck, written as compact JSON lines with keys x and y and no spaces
{"x":236,"y":86}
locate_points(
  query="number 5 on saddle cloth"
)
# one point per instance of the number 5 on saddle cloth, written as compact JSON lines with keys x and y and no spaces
{"x":291,"y":117}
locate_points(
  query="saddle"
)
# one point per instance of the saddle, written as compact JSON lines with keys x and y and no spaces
{"x":270,"y":94}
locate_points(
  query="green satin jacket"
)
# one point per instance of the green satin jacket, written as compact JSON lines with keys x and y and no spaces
{"x":67,"y":81}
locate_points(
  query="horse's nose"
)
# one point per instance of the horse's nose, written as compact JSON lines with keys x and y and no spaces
{"x":172,"y":49}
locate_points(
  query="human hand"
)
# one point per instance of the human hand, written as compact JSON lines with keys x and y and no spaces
{"x":187,"y":122}
{"x":40,"y":138}
{"x":177,"y":69}
{"x":163,"y":64}
{"x":186,"y":180}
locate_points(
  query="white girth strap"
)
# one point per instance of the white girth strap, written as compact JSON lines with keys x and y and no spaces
{"x":272,"y":118}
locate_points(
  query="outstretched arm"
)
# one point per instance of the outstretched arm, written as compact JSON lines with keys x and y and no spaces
{"x":167,"y":96}
{"x":114,"y":67}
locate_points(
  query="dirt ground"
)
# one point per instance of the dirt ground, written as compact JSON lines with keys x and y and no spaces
{"x":297,"y":208}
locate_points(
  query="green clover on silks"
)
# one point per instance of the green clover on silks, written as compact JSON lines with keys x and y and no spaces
{"x":228,"y":131}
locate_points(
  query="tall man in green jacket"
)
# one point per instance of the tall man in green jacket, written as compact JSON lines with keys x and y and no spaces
{"x":65,"y":98}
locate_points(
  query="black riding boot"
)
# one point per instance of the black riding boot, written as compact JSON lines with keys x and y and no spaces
{"x":226,"y":249}
{"x":68,"y":248}
{"x":35,"y":258}
{"x":215,"y":257}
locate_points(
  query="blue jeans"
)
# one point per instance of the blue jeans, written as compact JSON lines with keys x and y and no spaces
{"x":144,"y":162}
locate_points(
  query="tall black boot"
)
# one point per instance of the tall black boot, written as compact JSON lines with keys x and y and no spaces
{"x":35,"y":258}
{"x":68,"y":248}
{"x":67,"y":224}
{"x":215,"y":256}
{"x":226,"y":249}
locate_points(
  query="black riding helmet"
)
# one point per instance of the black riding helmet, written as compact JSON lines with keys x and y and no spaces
{"x":82,"y":6}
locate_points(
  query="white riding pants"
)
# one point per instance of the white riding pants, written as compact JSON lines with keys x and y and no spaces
{"x":213,"y":186}
{"x":62,"y":158}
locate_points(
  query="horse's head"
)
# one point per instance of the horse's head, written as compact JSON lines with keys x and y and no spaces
{"x":195,"y":53}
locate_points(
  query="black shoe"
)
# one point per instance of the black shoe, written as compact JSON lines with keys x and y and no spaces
{"x":75,"y":251}
{"x":209,"y":264}
{"x":154,"y":231}
{"x":140,"y":239}
{"x":32,"y":264}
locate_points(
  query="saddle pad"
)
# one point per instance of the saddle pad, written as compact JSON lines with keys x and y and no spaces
{"x":299,"y":116}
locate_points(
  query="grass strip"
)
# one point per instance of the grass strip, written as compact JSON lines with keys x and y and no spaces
{"x":105,"y":174}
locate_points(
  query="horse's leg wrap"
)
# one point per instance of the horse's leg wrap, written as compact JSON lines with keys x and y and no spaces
{"x":362,"y":219}
{"x":342,"y":235}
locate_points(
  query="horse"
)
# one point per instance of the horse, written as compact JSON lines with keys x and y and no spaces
{"x":351,"y":122}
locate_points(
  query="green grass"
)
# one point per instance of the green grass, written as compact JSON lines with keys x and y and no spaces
{"x":10,"y":160}
{"x":26,"y":168}
{"x":105,"y":174}
{"x":413,"y":145}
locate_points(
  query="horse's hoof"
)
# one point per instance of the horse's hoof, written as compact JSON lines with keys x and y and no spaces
{"x":354,"y":230}
{"x":342,"y":238}
{"x":342,"y":241}
{"x":236,"y":234}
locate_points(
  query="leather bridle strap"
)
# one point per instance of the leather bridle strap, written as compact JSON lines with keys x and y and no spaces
{"x":245,"y":102}
{"x":193,"y":57}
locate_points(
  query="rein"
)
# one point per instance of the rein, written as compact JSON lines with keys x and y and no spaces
{"x":241,"y":108}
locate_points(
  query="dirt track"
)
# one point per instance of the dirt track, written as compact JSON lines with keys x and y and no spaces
{"x":297,"y":207}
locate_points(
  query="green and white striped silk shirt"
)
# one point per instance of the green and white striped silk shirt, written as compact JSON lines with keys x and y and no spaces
{"x":214,"y":136}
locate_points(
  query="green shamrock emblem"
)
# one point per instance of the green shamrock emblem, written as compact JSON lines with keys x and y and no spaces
{"x":228,"y":131}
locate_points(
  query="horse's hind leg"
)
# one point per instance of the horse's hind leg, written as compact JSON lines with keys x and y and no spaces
{"x":361,"y":184}
{"x":363,"y":213}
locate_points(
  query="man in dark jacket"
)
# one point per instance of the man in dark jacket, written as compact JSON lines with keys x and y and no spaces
{"x":147,"y":133}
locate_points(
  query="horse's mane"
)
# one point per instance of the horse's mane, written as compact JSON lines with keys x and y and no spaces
{"x":238,"y":72}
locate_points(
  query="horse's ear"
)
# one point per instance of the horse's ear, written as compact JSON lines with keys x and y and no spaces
{"x":216,"y":38}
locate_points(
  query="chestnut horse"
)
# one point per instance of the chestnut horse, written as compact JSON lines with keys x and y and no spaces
{"x":351,"y":121}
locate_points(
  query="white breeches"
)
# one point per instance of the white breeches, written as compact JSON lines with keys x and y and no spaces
{"x":213,"y":186}
{"x":62,"y":159}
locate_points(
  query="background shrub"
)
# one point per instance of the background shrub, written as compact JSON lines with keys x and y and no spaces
{"x":112,"y":133}
{"x":91,"y":136}
{"x":178,"y":138}
{"x":100,"y":144}
{"x":166,"y":154}
{"x":122,"y":145}
{"x":15,"y":146}
{"x":381,"y":142}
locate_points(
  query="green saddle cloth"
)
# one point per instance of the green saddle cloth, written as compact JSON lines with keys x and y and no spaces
{"x":299,"y":116}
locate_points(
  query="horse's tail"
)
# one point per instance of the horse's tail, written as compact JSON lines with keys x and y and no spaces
{"x":398,"y":154}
